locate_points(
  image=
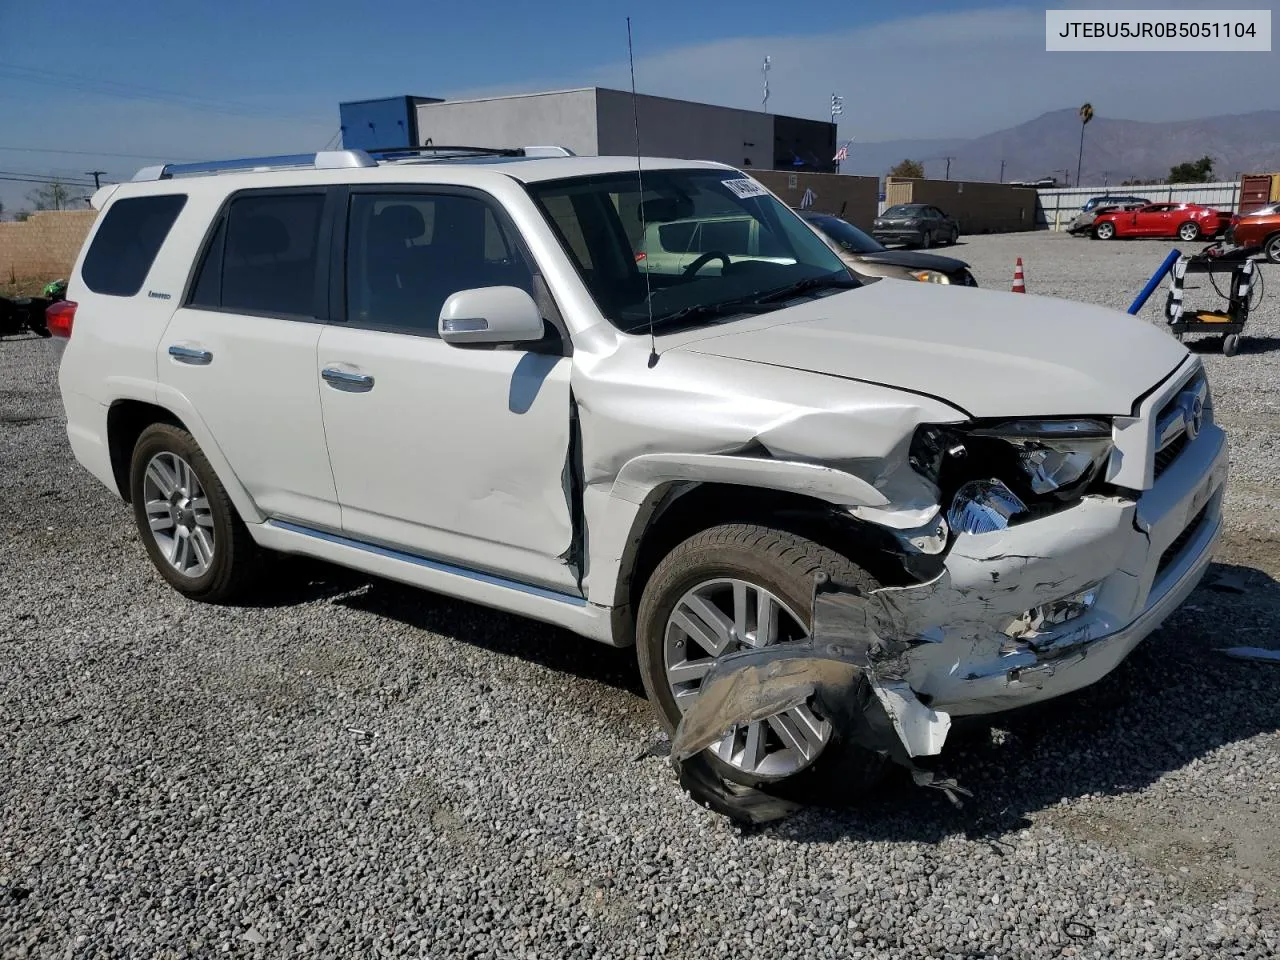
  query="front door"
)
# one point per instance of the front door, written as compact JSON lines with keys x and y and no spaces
{"x":454,"y":454}
{"x":242,"y":350}
{"x":1155,"y":221}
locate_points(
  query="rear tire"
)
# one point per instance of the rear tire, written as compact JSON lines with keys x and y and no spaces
{"x":1271,"y":248}
{"x":783,"y":564}
{"x":1189,"y":232}
{"x":177,"y":497}
{"x":1230,"y":344}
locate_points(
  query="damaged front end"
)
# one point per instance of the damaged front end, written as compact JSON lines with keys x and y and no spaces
{"x":1033,"y":576}
{"x":852,"y":669}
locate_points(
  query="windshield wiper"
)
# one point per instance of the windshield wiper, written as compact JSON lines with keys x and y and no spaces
{"x":705,"y":311}
{"x":810,"y":283}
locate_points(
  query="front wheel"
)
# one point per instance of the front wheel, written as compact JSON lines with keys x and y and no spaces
{"x":188,"y":524}
{"x":927,"y":240}
{"x":1104,"y":231}
{"x":1189,"y":231}
{"x":735,"y":587}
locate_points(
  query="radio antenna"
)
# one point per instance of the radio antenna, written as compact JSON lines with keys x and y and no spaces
{"x":635,"y":115}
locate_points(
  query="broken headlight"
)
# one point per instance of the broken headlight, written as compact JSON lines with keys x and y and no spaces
{"x":1055,"y":454}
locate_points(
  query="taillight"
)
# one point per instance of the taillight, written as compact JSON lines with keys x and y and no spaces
{"x":59,"y":317}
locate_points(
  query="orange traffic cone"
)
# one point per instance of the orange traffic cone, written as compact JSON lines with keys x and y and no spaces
{"x":1019,"y":286}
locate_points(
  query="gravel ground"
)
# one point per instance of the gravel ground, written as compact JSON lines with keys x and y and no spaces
{"x":352,"y":768}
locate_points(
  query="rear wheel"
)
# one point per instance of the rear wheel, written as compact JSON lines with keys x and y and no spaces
{"x":1189,"y":231}
{"x":188,"y":524}
{"x":1271,"y":248}
{"x":736,"y":587}
{"x":1230,"y":344}
{"x":1104,"y":231}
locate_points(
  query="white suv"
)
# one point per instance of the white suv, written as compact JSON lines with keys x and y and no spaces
{"x":450,"y":370}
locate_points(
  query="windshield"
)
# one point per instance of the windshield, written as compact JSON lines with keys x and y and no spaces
{"x":847,"y":235}
{"x":904,"y":210}
{"x":695,"y":245}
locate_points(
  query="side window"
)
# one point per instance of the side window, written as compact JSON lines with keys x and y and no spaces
{"x":270,"y":256}
{"x":730,"y":237}
{"x":408,"y":253}
{"x":126,"y":244}
{"x":262,"y":256}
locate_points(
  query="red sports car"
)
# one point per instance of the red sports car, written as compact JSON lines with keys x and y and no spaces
{"x":1186,"y":221}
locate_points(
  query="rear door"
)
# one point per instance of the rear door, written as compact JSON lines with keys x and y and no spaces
{"x":452,"y":454}
{"x":242,"y":348}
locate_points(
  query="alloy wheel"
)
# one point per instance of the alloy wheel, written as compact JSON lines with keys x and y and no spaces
{"x":178,"y":514}
{"x":722,"y":616}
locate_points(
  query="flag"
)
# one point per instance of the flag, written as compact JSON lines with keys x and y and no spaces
{"x":764,"y":69}
{"x":1086,"y":113}
{"x":807,"y":200}
{"x":842,"y":154}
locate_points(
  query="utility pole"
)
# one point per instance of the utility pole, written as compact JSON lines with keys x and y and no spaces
{"x":96,"y":174}
{"x":1066,"y":175}
{"x":948,"y":159}
{"x":1002,"y":171}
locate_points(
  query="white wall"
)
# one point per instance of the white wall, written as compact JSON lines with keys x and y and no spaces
{"x":566,"y":119}
{"x":686,"y":131}
{"x":1061,"y":204}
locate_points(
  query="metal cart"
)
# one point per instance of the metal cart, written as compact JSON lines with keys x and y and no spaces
{"x":1228,"y":324}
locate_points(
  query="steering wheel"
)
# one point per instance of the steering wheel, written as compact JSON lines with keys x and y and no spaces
{"x":703,"y":260}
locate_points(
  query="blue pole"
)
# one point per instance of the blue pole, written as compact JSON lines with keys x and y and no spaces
{"x":1154,"y":282}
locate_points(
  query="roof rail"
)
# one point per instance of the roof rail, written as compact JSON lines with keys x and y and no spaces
{"x":430,"y":151}
{"x":323,"y":160}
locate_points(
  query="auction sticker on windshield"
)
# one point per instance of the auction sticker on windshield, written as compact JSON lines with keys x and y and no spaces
{"x":745,"y":188}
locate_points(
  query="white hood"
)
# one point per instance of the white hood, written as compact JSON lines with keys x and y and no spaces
{"x":992,"y":354}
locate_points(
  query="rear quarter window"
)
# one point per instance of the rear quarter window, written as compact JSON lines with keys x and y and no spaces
{"x":126,"y":244}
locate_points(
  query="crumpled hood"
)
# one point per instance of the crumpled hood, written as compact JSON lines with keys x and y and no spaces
{"x":990,"y":353}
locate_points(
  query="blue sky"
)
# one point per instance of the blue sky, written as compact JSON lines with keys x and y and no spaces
{"x":197,"y":80}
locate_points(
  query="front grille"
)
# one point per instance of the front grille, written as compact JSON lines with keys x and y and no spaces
{"x":1170,"y":453}
{"x":1180,"y":542}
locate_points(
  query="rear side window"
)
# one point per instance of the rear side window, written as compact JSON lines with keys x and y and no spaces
{"x":126,"y":244}
{"x":262,"y":257}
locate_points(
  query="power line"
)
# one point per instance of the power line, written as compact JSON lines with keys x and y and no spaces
{"x":99,"y":153}
{"x":130,"y":91}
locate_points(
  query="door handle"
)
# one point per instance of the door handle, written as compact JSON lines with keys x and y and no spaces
{"x":346,"y":380}
{"x":190,"y":355}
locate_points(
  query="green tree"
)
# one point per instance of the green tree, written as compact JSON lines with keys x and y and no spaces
{"x":1198,"y":171}
{"x":908,"y":168}
{"x":55,"y":195}
{"x":22,"y":216}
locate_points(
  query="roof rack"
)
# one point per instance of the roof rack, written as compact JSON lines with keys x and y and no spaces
{"x":429,"y":151}
{"x":324,"y":160}
{"x":342,"y":160}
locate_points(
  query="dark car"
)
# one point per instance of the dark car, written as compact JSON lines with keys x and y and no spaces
{"x":867,"y":257}
{"x":1113,"y":201}
{"x":916,"y":225}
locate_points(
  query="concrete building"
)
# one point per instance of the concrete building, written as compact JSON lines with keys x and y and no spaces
{"x":596,"y":121}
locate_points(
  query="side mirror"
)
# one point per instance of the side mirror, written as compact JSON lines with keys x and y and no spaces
{"x":490,"y":315}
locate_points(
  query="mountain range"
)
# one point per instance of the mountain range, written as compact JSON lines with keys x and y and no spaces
{"x":1114,"y":150}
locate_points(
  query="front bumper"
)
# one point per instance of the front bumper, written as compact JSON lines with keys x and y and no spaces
{"x":1145,"y":557}
{"x":898,"y":236}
